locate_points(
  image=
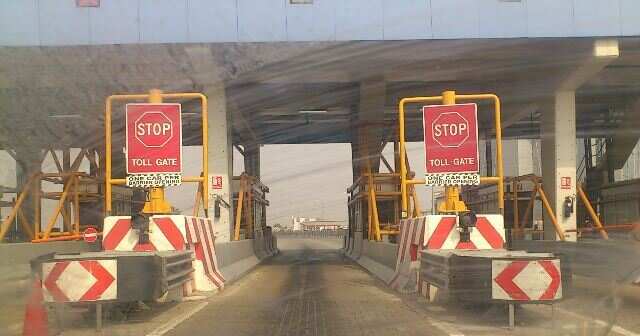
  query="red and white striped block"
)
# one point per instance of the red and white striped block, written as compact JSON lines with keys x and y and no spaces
{"x":201,"y":240}
{"x":411,"y":241}
{"x":166,"y":233}
{"x":441,"y":232}
{"x":170,"y":233}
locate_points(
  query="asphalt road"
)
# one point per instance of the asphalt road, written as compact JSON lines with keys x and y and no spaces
{"x":312,"y":289}
{"x":309,"y":289}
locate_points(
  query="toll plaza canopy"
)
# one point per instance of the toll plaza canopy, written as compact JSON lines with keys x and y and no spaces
{"x":309,"y":92}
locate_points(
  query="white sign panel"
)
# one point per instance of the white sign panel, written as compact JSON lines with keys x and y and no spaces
{"x":452,"y":179}
{"x":526,"y":280}
{"x":154,"y":180}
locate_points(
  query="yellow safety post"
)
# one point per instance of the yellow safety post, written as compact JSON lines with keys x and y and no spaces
{"x":592,"y":213}
{"x":238,"y":221}
{"x":156,"y":203}
{"x":552,"y":216}
{"x":6,"y":223}
{"x":63,"y":198}
{"x":452,"y":194}
{"x":516,"y":210}
{"x":373,"y":207}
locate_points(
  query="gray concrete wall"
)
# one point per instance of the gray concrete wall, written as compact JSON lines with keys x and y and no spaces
{"x":378,"y":258}
{"x":22,"y":253}
{"x":381,"y":252}
{"x":236,"y":258}
{"x":60,"y":22}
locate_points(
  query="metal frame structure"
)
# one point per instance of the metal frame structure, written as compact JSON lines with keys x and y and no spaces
{"x":157,"y":203}
{"x":73,"y":192}
{"x":251,"y":194}
{"x":538,"y":193}
{"x":452,"y":193}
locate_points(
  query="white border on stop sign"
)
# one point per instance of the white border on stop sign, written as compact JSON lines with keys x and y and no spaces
{"x":126,"y":136}
{"x":424,"y":142}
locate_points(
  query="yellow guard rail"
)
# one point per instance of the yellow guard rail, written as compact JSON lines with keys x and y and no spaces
{"x":157,"y":203}
{"x":452,"y":194}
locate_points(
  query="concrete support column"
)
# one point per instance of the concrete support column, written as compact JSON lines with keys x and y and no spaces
{"x":368,"y":133}
{"x":220,"y":161}
{"x":366,"y":137}
{"x":558,"y":135}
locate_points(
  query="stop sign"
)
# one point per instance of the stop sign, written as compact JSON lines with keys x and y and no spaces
{"x":450,"y":129}
{"x":451,"y":138}
{"x":153,"y":129}
{"x":153,"y":139}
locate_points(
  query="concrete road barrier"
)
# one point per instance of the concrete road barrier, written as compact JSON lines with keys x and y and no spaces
{"x":379,"y":258}
{"x":237,"y":258}
{"x":22,"y":253}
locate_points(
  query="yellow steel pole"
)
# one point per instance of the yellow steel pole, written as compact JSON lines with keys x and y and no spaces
{"x":516,"y":212}
{"x":107,"y":160}
{"x":7,"y":221}
{"x":592,"y":213}
{"x":63,"y":199}
{"x":373,"y":205}
{"x":552,"y":216}
{"x":76,"y":204}
{"x":236,"y":229}
{"x":403,"y":154}
{"x":452,"y":201}
{"x":498,"y":126}
{"x":157,"y":203}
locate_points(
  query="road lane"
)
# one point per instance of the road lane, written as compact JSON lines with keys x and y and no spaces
{"x":309,"y":289}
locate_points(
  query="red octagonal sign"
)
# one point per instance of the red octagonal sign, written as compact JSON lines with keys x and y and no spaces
{"x":451,"y":138}
{"x":154,"y":138}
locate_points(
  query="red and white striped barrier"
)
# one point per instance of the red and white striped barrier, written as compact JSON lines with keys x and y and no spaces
{"x":166,"y":233}
{"x":411,"y":241}
{"x":526,"y":280}
{"x":441,"y":233}
{"x":201,"y":240}
{"x":170,"y":233}
{"x":80,"y":281}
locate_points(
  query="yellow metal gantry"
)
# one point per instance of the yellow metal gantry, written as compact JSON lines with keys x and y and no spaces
{"x":156,"y":203}
{"x":452,"y":201}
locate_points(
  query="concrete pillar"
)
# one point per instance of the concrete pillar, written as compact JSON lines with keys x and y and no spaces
{"x":369,"y":131}
{"x":558,"y":135}
{"x":366,"y":138}
{"x":220,"y":161}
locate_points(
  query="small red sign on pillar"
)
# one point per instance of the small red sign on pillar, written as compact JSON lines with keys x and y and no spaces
{"x":565,"y":182}
{"x":216,"y":182}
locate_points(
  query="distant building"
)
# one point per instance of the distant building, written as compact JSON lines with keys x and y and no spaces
{"x":315,"y":224}
{"x":322,"y":225}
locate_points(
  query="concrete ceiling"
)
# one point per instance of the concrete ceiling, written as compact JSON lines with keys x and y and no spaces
{"x":54,"y":96}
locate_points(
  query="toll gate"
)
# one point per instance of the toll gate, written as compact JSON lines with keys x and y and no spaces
{"x":82,"y":94}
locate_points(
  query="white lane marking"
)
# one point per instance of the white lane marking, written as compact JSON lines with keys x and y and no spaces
{"x":615,"y":328}
{"x":445,"y":327}
{"x":163,"y":329}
